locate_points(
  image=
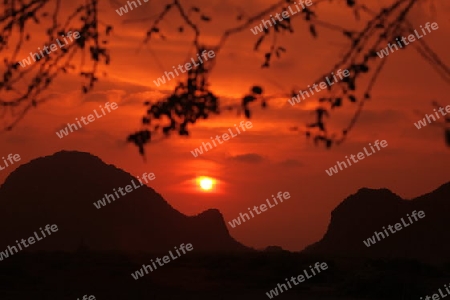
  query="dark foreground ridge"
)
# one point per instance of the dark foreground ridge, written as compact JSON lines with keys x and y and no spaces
{"x":95,"y":251}
{"x":367,"y":211}
{"x":61,"y":188}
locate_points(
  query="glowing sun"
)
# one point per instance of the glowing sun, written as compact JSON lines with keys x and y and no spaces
{"x":206,"y":183}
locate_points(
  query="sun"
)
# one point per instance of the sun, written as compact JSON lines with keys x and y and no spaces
{"x":206,"y":183}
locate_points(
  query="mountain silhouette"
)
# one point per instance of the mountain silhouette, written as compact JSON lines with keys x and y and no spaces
{"x":360,"y":215}
{"x":61,"y":189}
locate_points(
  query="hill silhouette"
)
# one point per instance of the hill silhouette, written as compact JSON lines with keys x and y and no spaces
{"x":114,"y":241}
{"x":360,"y":215}
{"x":61,"y":189}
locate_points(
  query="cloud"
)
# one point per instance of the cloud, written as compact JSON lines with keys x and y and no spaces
{"x":291,"y":163}
{"x":96,"y":97}
{"x":251,"y":158}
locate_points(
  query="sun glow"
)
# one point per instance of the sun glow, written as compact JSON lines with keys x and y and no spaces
{"x":206,"y":183}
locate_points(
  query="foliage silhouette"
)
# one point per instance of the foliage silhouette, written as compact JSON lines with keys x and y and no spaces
{"x":188,"y":101}
{"x":15,"y":100}
{"x":192,"y":99}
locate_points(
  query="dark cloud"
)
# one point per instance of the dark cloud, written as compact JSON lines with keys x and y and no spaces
{"x":291,"y":163}
{"x":251,"y":158}
{"x":99,"y":97}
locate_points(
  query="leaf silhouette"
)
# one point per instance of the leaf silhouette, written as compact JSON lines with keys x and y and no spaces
{"x":258,"y":43}
{"x":312,"y":29}
{"x":247,"y":113}
{"x":257,"y":90}
{"x":447,"y":137}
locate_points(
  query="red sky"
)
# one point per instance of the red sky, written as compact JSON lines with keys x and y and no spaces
{"x":267,"y":158}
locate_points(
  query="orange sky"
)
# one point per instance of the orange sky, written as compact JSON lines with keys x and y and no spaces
{"x":267,"y":158}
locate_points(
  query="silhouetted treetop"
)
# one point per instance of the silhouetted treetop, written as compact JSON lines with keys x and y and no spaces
{"x":192,"y":98}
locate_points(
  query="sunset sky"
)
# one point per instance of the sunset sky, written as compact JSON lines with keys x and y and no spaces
{"x":267,"y":158}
